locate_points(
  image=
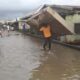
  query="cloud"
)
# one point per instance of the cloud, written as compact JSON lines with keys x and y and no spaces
{"x":18,"y":4}
{"x":9,"y":4}
{"x":15,"y":8}
{"x":32,"y":4}
{"x":64,"y":2}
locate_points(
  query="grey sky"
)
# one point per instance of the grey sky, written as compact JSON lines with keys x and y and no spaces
{"x":23,"y":6}
{"x":29,"y":4}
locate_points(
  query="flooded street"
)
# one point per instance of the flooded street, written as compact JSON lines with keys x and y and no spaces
{"x":22,"y":59}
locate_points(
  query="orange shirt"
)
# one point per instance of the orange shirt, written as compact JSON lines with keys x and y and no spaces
{"x":46,"y":31}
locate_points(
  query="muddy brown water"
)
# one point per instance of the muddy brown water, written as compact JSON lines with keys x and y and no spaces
{"x":22,"y":59}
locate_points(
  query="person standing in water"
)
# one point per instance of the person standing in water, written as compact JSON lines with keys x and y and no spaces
{"x":47,"y":35}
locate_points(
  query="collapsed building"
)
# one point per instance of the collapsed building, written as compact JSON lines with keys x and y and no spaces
{"x":64,"y":20}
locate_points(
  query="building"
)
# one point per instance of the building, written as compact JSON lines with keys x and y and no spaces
{"x":65,"y":20}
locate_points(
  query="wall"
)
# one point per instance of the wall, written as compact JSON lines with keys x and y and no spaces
{"x":20,"y":25}
{"x":72,"y":39}
{"x":71,"y":20}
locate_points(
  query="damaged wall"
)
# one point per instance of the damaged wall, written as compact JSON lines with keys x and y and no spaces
{"x":71,"y":20}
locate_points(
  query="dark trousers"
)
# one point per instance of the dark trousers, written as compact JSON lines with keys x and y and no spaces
{"x":47,"y":42}
{"x":1,"y":34}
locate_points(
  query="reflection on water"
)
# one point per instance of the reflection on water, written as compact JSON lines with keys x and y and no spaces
{"x":19,"y":55}
{"x":22,"y":59}
{"x":63,"y":64}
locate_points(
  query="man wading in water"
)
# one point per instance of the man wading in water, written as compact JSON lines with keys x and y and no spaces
{"x":47,"y":35}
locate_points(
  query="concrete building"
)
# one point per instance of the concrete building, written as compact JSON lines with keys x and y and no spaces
{"x":65,"y":20}
{"x":74,"y":22}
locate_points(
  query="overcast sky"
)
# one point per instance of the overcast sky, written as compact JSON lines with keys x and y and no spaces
{"x":19,"y":6}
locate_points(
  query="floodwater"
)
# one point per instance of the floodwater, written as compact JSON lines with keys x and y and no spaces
{"x":22,"y":59}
